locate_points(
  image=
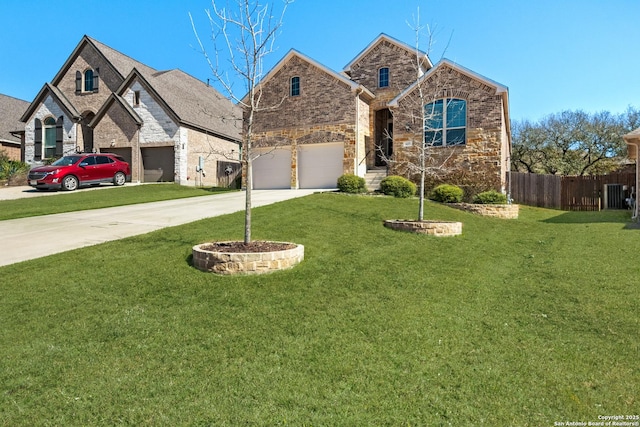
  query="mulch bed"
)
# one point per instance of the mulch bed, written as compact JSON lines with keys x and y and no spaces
{"x":251,"y":247}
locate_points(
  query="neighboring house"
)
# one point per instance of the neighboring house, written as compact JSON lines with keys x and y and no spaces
{"x":11,"y":129}
{"x":323,"y":123}
{"x":166,"y":124}
{"x":633,"y":144}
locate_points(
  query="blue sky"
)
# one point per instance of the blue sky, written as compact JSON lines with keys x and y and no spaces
{"x":554,"y":55}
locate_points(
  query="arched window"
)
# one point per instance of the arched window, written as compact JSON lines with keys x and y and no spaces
{"x":295,"y":86}
{"x":49,"y":137}
{"x":383,"y":77}
{"x":88,"y":81}
{"x":445,"y":122}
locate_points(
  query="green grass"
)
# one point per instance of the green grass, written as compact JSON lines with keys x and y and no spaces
{"x":522,"y":322}
{"x":82,"y":199}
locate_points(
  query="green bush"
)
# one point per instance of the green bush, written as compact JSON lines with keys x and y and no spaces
{"x":349,"y":183}
{"x":447,"y":193}
{"x":10,"y":168}
{"x":491,"y":197}
{"x":397,"y":186}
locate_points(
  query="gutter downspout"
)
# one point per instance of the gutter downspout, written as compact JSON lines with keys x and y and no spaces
{"x":635,"y":190}
{"x":356,"y":165}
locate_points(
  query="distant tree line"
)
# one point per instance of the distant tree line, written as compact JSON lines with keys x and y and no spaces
{"x":572,"y":142}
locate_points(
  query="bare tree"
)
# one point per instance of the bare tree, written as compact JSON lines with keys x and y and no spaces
{"x":242,"y":37}
{"x":420,"y":112}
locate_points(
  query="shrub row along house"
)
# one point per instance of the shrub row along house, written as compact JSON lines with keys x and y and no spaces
{"x":320,"y":123}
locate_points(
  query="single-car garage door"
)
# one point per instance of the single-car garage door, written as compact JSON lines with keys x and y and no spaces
{"x":272,"y":169}
{"x":320,"y":165}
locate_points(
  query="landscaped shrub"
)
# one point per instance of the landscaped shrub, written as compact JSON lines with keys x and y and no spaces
{"x":349,"y":183}
{"x":491,"y":197}
{"x":10,"y":169}
{"x":447,"y":193}
{"x":397,"y":186}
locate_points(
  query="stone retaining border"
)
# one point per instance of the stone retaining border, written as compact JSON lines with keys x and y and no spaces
{"x":228,"y":263}
{"x":497,"y":211}
{"x":432,"y":228}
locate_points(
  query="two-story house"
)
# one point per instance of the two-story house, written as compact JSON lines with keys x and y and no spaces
{"x":316,"y":124}
{"x":166,"y":124}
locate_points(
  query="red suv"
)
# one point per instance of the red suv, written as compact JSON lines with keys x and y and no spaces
{"x":73,"y":171}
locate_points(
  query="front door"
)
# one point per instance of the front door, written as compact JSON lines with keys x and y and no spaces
{"x":384,"y":137}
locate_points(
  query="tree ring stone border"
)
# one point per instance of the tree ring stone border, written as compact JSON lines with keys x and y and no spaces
{"x":432,"y":228}
{"x":230,"y":263}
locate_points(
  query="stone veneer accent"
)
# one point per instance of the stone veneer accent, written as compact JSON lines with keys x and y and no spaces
{"x":498,"y":211}
{"x":228,"y":263}
{"x":432,"y":228}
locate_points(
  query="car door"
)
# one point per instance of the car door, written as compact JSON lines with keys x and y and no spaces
{"x":106,"y":167}
{"x":88,"y":170}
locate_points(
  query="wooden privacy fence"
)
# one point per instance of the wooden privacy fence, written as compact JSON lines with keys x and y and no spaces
{"x":227,"y":173}
{"x":536,"y":190}
{"x":572,"y":193}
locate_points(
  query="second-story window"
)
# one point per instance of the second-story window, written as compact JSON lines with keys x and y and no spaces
{"x":88,"y":81}
{"x":295,"y":86}
{"x":383,"y":77}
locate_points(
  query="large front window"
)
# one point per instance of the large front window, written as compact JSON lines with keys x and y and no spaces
{"x":445,"y":122}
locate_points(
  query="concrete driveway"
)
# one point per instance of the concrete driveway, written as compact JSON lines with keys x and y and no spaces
{"x":29,"y":238}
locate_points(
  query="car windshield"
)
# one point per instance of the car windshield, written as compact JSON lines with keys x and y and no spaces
{"x":66,"y":161}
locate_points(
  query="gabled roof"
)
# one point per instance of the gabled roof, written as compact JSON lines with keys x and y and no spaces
{"x":58,"y":97}
{"x":187,"y":101}
{"x":338,"y":76}
{"x":382,"y":38}
{"x":119,"y":62}
{"x":197,"y":104}
{"x":499,"y":88}
{"x":116,"y":99}
{"x":10,"y":111}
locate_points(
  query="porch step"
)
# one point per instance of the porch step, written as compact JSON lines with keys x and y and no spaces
{"x":373,"y":177}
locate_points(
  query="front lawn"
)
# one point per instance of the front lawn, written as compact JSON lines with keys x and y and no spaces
{"x":103,"y":198}
{"x":526,"y":322}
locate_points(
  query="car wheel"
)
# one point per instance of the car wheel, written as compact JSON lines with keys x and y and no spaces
{"x":69,"y":183}
{"x":119,"y":179}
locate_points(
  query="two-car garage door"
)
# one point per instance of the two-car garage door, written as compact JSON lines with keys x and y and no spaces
{"x":319,"y":166}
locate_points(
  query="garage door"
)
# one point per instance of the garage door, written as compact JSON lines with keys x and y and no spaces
{"x":320,"y":165}
{"x":158,"y":164}
{"x":272,"y":169}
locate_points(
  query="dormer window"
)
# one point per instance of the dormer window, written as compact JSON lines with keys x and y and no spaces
{"x":295,"y":86}
{"x":87,"y":82}
{"x":383,"y":77}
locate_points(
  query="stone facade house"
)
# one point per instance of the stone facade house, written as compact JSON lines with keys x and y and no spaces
{"x":317,"y":124}
{"x":11,"y":129}
{"x":166,"y":124}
